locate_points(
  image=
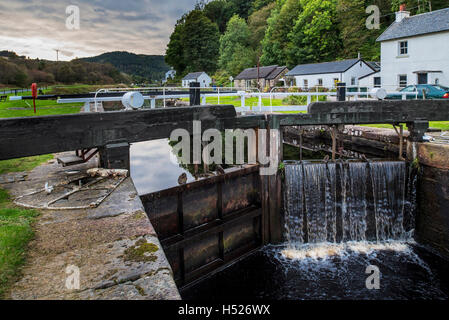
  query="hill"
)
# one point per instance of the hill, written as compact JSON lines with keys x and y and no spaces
{"x":139,"y":66}
{"x":20,"y":71}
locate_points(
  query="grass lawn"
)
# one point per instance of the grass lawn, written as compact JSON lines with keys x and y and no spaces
{"x":15,"y":233}
{"x":443,"y":125}
{"x":236,"y":101}
{"x":15,"y":225}
{"x":23,"y":164}
{"x":24,"y":108}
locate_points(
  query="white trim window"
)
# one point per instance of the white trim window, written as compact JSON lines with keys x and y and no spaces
{"x":377,"y":82}
{"x":320,"y":82}
{"x":402,"y":79}
{"x":352,"y":81}
{"x":306,"y":84}
{"x":403,"y":48}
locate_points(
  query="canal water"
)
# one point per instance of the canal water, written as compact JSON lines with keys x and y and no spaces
{"x":340,"y":219}
{"x":153,"y":167}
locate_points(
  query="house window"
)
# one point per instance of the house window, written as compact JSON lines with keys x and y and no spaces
{"x":403,"y":48}
{"x":402,"y":80}
{"x":248,"y":83}
{"x":306,"y":84}
{"x":353,"y":81}
{"x":320,"y":82}
{"x":377,"y":83}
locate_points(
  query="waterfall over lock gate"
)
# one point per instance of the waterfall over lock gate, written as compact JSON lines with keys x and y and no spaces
{"x":348,"y":201}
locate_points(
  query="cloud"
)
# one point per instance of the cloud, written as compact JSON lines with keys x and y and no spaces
{"x":139,"y":26}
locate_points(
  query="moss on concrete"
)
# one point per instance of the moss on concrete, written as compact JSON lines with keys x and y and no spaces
{"x":141,"y":251}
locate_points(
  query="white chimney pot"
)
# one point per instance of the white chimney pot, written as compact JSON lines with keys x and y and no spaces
{"x":401,"y":15}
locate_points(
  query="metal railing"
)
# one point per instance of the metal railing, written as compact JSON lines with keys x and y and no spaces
{"x":165,"y":93}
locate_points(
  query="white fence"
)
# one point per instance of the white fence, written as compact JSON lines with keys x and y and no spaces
{"x":220,"y":93}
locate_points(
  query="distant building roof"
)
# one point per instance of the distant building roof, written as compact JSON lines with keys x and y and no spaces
{"x":193,"y":75}
{"x":430,"y":22}
{"x":369,"y":74}
{"x":374,"y":65}
{"x":324,"y":67}
{"x":268,"y":73}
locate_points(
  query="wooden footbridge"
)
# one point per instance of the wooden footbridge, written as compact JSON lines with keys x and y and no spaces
{"x":232,"y":214}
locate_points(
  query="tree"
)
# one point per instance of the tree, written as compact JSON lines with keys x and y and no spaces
{"x":200,"y":43}
{"x":259,"y":4}
{"x":242,"y":7}
{"x":315,"y":36}
{"x":257,"y":24}
{"x":354,"y":34}
{"x":174,"y":55}
{"x":220,"y":11}
{"x":276,"y":43}
{"x":236,"y":53}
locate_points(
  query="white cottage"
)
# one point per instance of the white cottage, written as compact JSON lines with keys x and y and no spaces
{"x":170,"y":74}
{"x":371,"y":80}
{"x":327,"y":74}
{"x":415,"y":50}
{"x":200,"y":77}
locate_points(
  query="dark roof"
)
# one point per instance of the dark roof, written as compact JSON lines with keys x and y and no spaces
{"x":374,"y":65}
{"x":430,"y":22}
{"x":269,"y":73}
{"x":276,"y":72}
{"x":369,"y":74}
{"x":193,"y":75}
{"x":324,"y":67}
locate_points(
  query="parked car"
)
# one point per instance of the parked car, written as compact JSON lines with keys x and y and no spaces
{"x":422,"y":91}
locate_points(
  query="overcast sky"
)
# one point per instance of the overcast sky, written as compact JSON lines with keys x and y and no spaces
{"x":35,"y":28}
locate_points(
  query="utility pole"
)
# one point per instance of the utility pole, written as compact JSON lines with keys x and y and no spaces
{"x":258,"y":73}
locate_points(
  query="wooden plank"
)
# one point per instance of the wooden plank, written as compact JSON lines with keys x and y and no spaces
{"x":213,"y":227}
{"x":40,"y":135}
{"x":413,"y":107}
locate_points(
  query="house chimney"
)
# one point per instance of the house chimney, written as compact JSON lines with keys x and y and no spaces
{"x":402,"y":13}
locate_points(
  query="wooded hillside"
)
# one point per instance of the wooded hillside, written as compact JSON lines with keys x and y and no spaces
{"x":227,"y":36}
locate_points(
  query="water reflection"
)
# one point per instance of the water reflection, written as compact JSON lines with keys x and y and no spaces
{"x":151,"y":167}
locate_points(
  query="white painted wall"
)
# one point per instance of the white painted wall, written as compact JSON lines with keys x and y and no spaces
{"x":204,"y":80}
{"x":426,"y":52}
{"x":358,"y":70}
{"x":368,"y":82}
{"x":328,"y":79}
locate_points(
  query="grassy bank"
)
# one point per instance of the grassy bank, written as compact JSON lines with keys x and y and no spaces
{"x":15,"y":233}
{"x":15,"y":225}
{"x":24,"y":108}
{"x":443,"y":125}
{"x":23,"y":164}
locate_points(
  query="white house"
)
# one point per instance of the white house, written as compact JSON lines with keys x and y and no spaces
{"x":170,"y":74}
{"x":326,"y":74}
{"x":371,"y":80}
{"x":200,"y":77}
{"x":415,"y":50}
